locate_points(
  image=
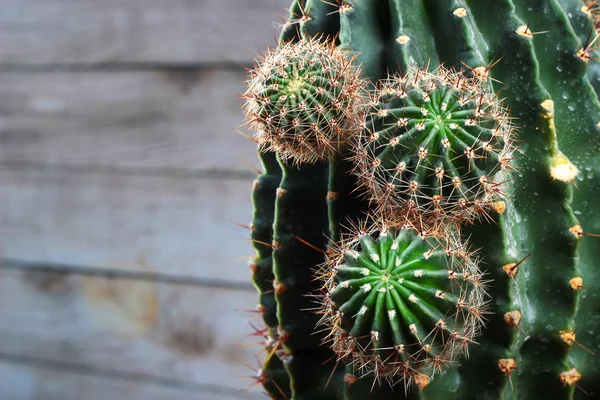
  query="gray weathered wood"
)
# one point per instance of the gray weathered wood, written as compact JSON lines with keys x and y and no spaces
{"x":164,"y":31}
{"x":27,"y":382}
{"x":113,"y":327}
{"x":177,"y":226}
{"x":160,"y":119}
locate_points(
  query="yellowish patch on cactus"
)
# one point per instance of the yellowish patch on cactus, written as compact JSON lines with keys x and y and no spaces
{"x":586,"y":10}
{"x":548,"y":105}
{"x":524,"y":31}
{"x":507,"y":365}
{"x":460,"y":12}
{"x":570,"y":377}
{"x":403,"y":39}
{"x":576,"y":230}
{"x":421,"y":380}
{"x":512,"y":318}
{"x":510,"y":269}
{"x":345,"y":8}
{"x":568,"y":337}
{"x":562,"y":169}
{"x":482,"y":73}
{"x":499,"y":206}
{"x":576,"y":283}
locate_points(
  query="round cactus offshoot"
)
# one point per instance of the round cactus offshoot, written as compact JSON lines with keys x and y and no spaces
{"x":436,"y":145}
{"x":400,"y":305}
{"x":305,"y":100}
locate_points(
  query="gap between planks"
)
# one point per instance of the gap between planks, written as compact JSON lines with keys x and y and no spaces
{"x":84,"y":371}
{"x":169,"y":334}
{"x":125,"y":66}
{"x":166,"y":172}
{"x":145,"y":276}
{"x":149,"y":224}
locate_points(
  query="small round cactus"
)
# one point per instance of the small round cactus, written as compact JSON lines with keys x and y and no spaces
{"x":402,"y":305}
{"x":435,"y":145}
{"x":305,"y":100}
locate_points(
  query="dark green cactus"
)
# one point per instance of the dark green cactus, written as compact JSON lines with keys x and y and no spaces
{"x":527,"y":69}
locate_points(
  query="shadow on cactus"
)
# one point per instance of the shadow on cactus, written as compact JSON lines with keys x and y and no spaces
{"x":399,"y":305}
{"x":305,"y":100}
{"x":436,"y":146}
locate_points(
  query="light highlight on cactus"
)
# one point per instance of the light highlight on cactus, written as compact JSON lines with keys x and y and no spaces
{"x":304,"y":100}
{"x":401,"y":306}
{"x":435,"y":145}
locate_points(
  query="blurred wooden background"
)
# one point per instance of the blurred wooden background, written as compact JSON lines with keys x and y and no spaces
{"x":119,"y":174}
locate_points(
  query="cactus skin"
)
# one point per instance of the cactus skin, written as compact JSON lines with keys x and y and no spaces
{"x":539,"y":252}
{"x":272,"y":375}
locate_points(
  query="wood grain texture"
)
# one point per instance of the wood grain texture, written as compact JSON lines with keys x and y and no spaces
{"x":169,"y":119}
{"x":182,"y":335}
{"x":154,"y":31}
{"x":30,"y":382}
{"x":163,"y":224}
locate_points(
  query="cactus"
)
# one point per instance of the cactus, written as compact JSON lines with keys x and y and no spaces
{"x":401,"y":304}
{"x":481,"y":131}
{"x":307,"y":100}
{"x":435,"y":143}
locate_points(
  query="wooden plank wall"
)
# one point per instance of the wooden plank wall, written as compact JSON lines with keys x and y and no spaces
{"x":119,"y":175}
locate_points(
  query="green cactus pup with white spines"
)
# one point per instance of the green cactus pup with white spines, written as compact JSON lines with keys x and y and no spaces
{"x":436,"y":144}
{"x":305,"y":99}
{"x":401,"y":305}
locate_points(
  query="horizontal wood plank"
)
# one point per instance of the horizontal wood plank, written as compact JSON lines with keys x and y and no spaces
{"x":152,"y":332}
{"x":177,"y":226}
{"x":30,"y":382}
{"x":162,"y":119}
{"x":171,"y":31}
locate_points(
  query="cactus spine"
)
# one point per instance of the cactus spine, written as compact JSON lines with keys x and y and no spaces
{"x":455,"y":86}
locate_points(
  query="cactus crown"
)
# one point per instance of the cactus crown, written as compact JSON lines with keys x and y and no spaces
{"x":436,"y":144}
{"x":305,"y":100}
{"x":399,"y":304}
